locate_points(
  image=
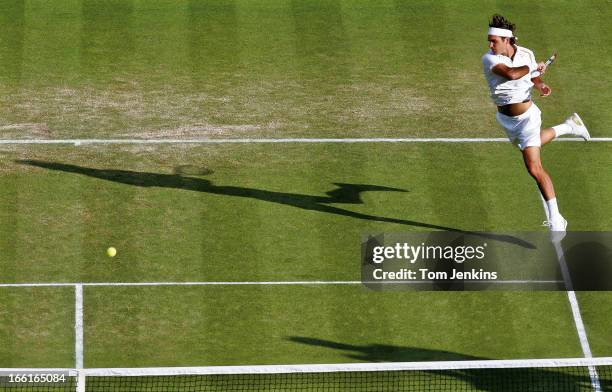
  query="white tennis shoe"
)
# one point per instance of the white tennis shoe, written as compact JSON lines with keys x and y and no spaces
{"x":578,"y":127}
{"x":559,"y":224}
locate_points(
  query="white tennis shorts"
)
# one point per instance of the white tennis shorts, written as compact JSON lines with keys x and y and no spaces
{"x":523,"y":130}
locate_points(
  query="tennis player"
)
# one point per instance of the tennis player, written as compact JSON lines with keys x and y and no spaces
{"x":511,"y":72}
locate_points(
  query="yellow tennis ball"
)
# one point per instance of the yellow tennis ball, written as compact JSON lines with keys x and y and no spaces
{"x":111,"y":252}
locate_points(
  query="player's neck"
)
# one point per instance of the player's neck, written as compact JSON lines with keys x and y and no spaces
{"x":511,"y":52}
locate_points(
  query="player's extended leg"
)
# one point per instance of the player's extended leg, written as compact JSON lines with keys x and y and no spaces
{"x":572,"y":126}
{"x":533,"y":163}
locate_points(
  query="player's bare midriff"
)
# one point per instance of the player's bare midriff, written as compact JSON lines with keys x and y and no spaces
{"x":515,"y":109}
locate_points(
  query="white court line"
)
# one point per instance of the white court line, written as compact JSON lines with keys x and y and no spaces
{"x":349,"y":367}
{"x":255,"y":283}
{"x":580,"y":329}
{"x":78,"y":326}
{"x":78,"y":142}
{"x":81,"y":381}
{"x":332,"y":367}
{"x":314,"y":282}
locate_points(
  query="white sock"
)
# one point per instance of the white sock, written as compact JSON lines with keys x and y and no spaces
{"x":553,"y":210}
{"x":545,"y":205}
{"x":562,"y":129}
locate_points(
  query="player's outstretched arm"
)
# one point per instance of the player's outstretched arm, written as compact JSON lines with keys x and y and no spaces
{"x":512,"y":73}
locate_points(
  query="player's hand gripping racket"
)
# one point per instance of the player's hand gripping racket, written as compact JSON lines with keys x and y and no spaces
{"x":543,"y":66}
{"x":545,"y":90}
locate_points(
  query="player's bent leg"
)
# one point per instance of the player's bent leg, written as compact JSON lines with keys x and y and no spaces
{"x":531,"y":157}
{"x":533,"y":163}
{"x":547,"y":135}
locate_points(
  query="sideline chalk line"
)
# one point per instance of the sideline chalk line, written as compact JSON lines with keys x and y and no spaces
{"x":578,"y":322}
{"x":78,"y":326}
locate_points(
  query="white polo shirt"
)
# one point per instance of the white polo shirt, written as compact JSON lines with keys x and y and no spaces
{"x":505,"y":91}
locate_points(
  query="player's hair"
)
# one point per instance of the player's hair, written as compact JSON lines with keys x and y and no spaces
{"x":502,"y":23}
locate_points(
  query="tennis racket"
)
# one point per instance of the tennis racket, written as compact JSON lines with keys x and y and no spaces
{"x":551,"y":59}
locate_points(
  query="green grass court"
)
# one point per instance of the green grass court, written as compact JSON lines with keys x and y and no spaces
{"x":256,"y":218}
{"x":137,"y":69}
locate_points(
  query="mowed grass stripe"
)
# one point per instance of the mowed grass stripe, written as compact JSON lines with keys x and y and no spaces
{"x":280,"y":67}
{"x":271,"y":325}
{"x":37,"y":327}
{"x":258,"y":179}
{"x":264,"y":213}
{"x":596,"y":320}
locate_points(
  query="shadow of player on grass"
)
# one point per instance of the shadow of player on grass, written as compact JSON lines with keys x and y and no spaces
{"x":343,"y":194}
{"x":517,"y":379}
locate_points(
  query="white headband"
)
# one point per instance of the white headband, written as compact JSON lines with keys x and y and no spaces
{"x":500,"y":32}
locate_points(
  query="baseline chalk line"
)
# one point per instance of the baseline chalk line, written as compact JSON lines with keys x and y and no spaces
{"x":79,"y":142}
